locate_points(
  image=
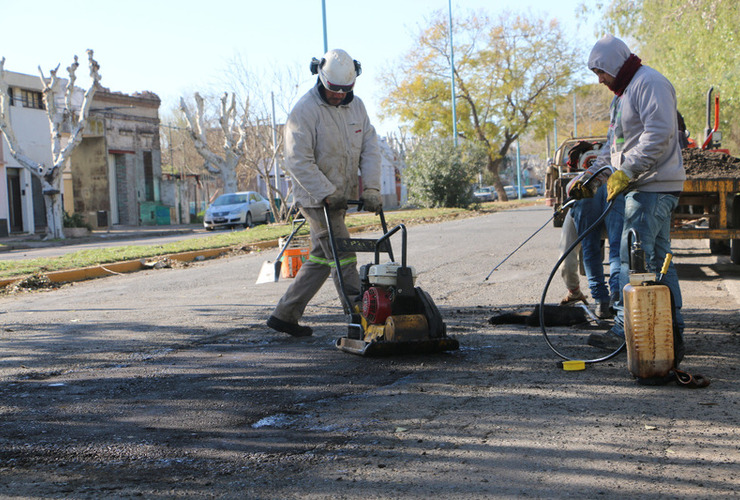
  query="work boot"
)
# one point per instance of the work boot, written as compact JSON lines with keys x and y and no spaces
{"x":290,"y":328}
{"x":572,"y":297}
{"x":608,"y":340}
{"x":604,"y":311}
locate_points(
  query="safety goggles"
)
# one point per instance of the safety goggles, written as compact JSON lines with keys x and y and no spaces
{"x":344,"y":89}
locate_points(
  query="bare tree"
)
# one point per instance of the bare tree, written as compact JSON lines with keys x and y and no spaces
{"x":262,"y":152}
{"x":233,"y":135}
{"x":60,"y":120}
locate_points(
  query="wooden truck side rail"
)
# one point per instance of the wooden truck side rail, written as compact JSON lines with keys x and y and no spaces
{"x":716,"y":198}
{"x":710,"y":209}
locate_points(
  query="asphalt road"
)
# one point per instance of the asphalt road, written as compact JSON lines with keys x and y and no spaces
{"x":130,"y":237}
{"x":166,"y":383}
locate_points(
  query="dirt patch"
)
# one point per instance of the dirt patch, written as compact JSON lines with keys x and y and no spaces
{"x":710,"y":164}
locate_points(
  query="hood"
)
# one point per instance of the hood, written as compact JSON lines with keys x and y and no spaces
{"x":608,"y":55}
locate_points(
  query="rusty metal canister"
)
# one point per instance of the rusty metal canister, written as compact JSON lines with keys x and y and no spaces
{"x":648,"y":328}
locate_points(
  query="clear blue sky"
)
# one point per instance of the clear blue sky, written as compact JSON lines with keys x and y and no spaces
{"x":174,"y":48}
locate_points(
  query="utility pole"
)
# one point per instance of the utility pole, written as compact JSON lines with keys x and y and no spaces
{"x":575,"y":116}
{"x":274,"y":144}
{"x":555,"y":129}
{"x":452,"y":79}
{"x":323,"y":15}
{"x":518,"y":172}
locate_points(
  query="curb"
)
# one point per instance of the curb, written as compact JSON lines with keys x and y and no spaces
{"x":130,"y":266}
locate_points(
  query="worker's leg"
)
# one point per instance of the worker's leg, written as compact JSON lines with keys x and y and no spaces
{"x":569,"y":266}
{"x":585,"y":213}
{"x":313,"y":273}
{"x":347,"y":260}
{"x":614,"y":223}
{"x":650,"y":215}
{"x":310,"y":277}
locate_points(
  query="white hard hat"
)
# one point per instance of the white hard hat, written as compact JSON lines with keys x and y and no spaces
{"x":337,"y":70}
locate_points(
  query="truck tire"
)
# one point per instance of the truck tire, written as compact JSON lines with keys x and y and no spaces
{"x":719,"y":247}
{"x":735,"y":251}
{"x":735,"y":244}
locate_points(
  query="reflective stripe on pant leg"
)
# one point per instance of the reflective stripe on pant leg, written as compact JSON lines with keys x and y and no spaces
{"x":330,"y":263}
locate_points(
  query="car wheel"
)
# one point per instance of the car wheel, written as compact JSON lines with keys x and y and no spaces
{"x":209,"y":229}
{"x":248,"y":221}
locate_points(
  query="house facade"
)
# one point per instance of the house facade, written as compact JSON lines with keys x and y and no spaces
{"x":112,"y":177}
{"x":21,"y":202}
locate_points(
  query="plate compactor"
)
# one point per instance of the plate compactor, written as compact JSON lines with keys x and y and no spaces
{"x":393,"y":316}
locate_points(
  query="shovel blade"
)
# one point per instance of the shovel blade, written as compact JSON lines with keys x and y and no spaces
{"x":269,"y":273}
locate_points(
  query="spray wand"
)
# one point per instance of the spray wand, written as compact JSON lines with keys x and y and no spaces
{"x":666,"y":264}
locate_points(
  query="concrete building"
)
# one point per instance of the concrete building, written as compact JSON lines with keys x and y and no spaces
{"x":115,"y":173}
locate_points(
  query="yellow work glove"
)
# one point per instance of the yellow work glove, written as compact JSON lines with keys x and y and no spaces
{"x":616,"y":184}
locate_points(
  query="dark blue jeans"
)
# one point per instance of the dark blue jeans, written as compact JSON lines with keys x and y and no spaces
{"x":649,"y":214}
{"x":585,"y":213}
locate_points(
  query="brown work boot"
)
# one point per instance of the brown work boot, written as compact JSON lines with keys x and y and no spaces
{"x":572,"y":297}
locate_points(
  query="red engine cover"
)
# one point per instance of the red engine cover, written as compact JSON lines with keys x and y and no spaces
{"x":376,"y":305}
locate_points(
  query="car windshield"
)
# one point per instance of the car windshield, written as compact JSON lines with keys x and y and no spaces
{"x":230,"y":199}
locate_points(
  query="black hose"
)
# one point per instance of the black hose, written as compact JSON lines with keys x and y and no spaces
{"x":593,"y":226}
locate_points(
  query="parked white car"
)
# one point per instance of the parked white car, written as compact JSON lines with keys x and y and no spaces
{"x":237,"y":209}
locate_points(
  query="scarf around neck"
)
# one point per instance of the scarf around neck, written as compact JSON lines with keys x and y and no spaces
{"x":626,"y":72}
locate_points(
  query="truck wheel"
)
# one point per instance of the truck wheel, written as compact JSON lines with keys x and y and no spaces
{"x":735,"y":251}
{"x":735,"y":244}
{"x":719,"y":247}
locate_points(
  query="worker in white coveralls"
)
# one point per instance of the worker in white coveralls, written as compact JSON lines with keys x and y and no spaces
{"x":329,"y":143}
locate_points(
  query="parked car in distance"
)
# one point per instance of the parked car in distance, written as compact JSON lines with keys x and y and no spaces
{"x":511,"y":192}
{"x":530,"y":191}
{"x":237,"y":209}
{"x":487,"y":193}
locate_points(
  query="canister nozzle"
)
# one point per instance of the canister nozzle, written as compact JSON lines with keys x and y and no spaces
{"x":666,"y":265}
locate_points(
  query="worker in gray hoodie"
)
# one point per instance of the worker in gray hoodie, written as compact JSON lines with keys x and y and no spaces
{"x":646,"y":165}
{"x":329,"y":144}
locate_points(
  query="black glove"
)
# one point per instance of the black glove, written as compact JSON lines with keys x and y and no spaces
{"x":577,"y":189}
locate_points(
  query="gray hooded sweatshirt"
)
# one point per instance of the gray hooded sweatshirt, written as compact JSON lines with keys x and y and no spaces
{"x":328,"y":147}
{"x":643,"y":130}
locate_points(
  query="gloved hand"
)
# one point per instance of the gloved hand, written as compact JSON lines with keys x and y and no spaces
{"x":336,"y":200}
{"x":616,"y":184}
{"x":371,"y":200}
{"x":576,"y":188}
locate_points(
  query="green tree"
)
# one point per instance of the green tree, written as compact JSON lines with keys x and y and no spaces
{"x":438,"y":174}
{"x":509,"y":74}
{"x":694,"y":44}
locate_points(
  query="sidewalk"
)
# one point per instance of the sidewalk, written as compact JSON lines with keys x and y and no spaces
{"x":20,"y":241}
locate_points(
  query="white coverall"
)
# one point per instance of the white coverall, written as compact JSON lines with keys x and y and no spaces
{"x":327,"y":148}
